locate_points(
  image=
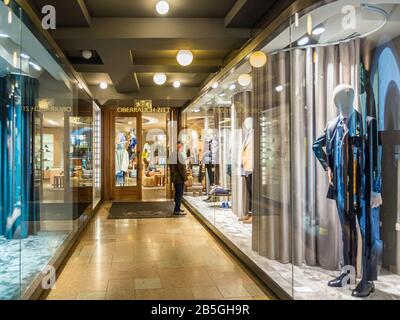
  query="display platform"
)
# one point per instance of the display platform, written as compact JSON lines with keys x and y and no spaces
{"x":309,"y":283}
{"x":22,"y":260}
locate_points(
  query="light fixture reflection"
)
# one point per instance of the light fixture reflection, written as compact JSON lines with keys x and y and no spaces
{"x":303,"y":41}
{"x":318,"y":31}
{"x":258,"y":59}
{"x":215,"y":85}
{"x":177,"y":84}
{"x":35,"y":66}
{"x":244,"y":79}
{"x":103,"y":85}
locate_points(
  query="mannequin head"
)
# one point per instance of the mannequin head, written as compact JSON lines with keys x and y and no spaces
{"x":209,"y":133}
{"x":248,"y":123}
{"x":343,"y":97}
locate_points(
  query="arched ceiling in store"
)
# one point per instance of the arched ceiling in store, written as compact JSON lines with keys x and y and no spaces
{"x":130,"y":42}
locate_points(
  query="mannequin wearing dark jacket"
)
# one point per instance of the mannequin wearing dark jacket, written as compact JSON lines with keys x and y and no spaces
{"x":351,"y":159}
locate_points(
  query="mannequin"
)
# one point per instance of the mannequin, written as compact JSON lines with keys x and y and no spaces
{"x":210,"y":160}
{"x":247,"y":159}
{"x":351,"y":160}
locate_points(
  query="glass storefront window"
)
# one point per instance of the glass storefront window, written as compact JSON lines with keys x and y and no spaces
{"x":305,"y":173}
{"x":46,"y":153}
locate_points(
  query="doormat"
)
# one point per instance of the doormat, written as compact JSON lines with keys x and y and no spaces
{"x":142,"y":210}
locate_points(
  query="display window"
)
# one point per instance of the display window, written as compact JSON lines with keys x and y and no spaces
{"x":46,"y":150}
{"x":296,"y":153}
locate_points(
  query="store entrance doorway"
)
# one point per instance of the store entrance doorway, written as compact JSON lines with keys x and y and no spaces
{"x":135,"y":156}
{"x":124,"y":162}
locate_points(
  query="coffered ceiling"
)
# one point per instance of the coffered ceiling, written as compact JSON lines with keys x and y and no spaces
{"x":130,"y":41}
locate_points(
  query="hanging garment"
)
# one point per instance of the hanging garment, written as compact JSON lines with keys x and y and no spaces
{"x":19,"y":195}
{"x":352,"y":154}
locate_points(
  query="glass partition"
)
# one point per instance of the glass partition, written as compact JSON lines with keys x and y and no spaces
{"x":305,"y":131}
{"x":126,"y":156}
{"x":46,"y":156}
{"x":15,"y":195}
{"x":345,"y":75}
{"x":238,"y":137}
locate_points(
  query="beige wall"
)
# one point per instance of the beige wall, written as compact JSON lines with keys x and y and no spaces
{"x":58,"y":134}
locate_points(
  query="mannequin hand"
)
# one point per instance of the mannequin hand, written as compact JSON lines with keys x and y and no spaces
{"x":330,"y":176}
{"x":376,"y":200}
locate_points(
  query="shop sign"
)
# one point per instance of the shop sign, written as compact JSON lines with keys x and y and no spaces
{"x":143,"y":106}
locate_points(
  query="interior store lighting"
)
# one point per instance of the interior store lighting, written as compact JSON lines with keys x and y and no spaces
{"x":184,"y":57}
{"x":162,"y":7}
{"x":258,"y":59}
{"x":159,"y":78}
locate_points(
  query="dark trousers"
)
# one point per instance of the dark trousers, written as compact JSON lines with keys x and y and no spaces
{"x":249,"y":187}
{"x":179,"y":188}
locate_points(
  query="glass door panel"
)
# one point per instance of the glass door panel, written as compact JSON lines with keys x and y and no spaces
{"x":126,"y":153}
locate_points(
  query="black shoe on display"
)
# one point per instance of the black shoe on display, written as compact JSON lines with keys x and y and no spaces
{"x":363,"y":290}
{"x":208,"y":199}
{"x":338,"y":282}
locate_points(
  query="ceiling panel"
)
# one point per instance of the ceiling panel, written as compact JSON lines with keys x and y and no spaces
{"x":146,"y":8}
{"x":186,"y":79}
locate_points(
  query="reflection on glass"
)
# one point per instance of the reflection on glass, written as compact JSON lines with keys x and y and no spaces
{"x":96,"y":155}
{"x":81,"y":156}
{"x":126,"y":161}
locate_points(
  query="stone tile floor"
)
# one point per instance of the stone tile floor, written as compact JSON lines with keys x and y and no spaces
{"x":163,"y":259}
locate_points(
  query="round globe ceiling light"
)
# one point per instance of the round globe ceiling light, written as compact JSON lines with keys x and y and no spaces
{"x":162,"y":7}
{"x":184,"y":57}
{"x":177,"y":84}
{"x":159,"y":78}
{"x":258,"y":59}
{"x":87,"y":54}
{"x":244,"y":79}
{"x":103,"y":85}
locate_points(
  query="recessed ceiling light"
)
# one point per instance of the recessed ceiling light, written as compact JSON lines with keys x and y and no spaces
{"x":303,"y":41}
{"x":232,"y":87}
{"x":24,"y":55}
{"x":222,"y":94}
{"x":162,"y":7}
{"x":177,"y":84}
{"x":159,"y":78}
{"x":87,"y":54}
{"x":103,"y":85}
{"x":279,"y":88}
{"x":184,"y":57}
{"x":4,"y":35}
{"x":215,"y":85}
{"x":318,"y":30}
{"x":197,"y":110}
{"x":35,"y":66}
{"x":80,"y":86}
{"x":244,"y":79}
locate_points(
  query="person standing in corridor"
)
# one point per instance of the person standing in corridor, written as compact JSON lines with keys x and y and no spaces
{"x":178,"y":177}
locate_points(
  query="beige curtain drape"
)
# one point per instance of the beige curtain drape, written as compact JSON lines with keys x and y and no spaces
{"x":301,"y":210}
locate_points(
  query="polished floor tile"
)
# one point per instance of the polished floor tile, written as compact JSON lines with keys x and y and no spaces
{"x":153,"y":259}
